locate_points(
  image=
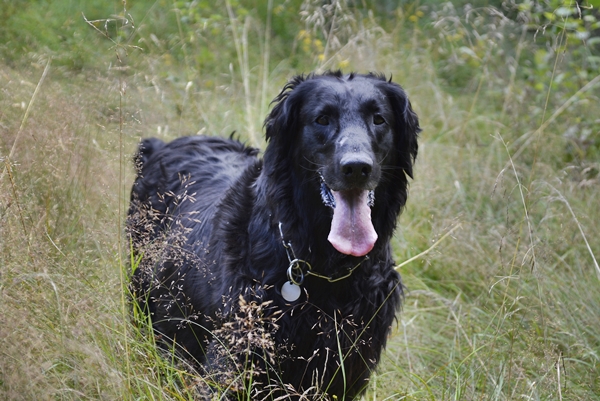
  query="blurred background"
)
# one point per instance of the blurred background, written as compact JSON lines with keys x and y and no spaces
{"x":506,"y":307}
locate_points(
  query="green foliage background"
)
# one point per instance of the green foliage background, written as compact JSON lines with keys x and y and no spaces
{"x":506,"y":307}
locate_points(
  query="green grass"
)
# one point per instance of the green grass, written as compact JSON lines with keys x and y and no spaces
{"x":507,"y":307}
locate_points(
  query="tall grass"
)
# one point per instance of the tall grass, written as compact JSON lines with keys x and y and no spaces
{"x":506,"y":307}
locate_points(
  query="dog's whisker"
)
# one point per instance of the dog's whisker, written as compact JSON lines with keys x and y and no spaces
{"x":319,"y":166}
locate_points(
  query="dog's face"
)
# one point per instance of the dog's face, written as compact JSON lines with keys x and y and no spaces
{"x":348,"y":131}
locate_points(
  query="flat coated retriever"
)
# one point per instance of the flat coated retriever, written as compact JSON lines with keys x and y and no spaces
{"x":275,"y":277}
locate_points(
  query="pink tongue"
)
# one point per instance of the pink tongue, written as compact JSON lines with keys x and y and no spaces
{"x":352,"y":231}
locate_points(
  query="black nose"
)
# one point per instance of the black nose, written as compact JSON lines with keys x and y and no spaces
{"x":357,"y":169}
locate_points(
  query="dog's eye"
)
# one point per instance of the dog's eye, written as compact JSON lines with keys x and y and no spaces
{"x":378,"y":119}
{"x":322,"y":120}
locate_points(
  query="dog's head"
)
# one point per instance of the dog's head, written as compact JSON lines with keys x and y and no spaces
{"x":352,"y":132}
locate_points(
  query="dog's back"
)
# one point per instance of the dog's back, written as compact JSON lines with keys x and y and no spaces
{"x":187,"y":177}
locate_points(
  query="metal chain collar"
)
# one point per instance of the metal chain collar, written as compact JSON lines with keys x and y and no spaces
{"x":296,"y":272}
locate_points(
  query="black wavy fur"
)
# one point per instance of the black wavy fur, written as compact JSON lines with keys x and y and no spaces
{"x":205,"y":216}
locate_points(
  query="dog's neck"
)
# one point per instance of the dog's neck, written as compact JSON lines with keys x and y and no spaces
{"x":299,"y":268}
{"x":305,"y":220}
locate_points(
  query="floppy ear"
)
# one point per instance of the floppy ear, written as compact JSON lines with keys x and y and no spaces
{"x":406,"y":126}
{"x":284,"y":115}
{"x":281,"y":126}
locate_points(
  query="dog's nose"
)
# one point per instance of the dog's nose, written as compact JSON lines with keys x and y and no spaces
{"x":357,"y":169}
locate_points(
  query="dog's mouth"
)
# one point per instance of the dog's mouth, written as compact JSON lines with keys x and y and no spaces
{"x":352,"y":231}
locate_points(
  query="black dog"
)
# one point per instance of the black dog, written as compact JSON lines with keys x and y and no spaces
{"x":280,"y":268}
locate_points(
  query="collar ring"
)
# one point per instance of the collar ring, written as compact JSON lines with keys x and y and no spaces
{"x":295,"y":272}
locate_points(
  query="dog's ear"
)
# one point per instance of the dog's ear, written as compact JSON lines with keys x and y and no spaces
{"x":406,"y":126}
{"x":282,"y":119}
{"x":281,"y":126}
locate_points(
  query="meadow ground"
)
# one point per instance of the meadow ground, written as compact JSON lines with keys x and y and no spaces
{"x":505,"y":307}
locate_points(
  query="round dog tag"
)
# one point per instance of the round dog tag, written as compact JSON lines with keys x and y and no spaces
{"x":290,"y":292}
